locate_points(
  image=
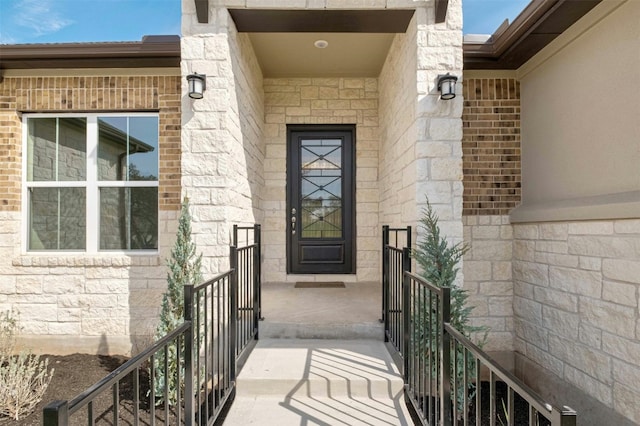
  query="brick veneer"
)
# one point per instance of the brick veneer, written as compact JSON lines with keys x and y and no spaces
{"x":89,"y":94}
{"x":491,"y":146}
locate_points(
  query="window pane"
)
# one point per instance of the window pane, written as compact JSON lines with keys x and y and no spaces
{"x":143,"y":148}
{"x":128,"y":148}
{"x":128,"y":218}
{"x":57,"y":149}
{"x":57,"y":219}
{"x":112,"y":148}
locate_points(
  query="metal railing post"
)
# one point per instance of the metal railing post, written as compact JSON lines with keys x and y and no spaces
{"x":406,"y":311}
{"x":235,"y":236}
{"x":256,"y":280}
{"x":56,"y":413}
{"x":257,"y":239}
{"x":385,"y":279}
{"x":233,"y":321}
{"x":445,"y":358}
{"x":189,"y":356}
{"x":408,"y":236}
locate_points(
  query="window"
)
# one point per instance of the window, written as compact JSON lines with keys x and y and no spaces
{"x":91,"y":182}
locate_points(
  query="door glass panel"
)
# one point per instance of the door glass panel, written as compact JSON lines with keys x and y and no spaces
{"x":321,"y":188}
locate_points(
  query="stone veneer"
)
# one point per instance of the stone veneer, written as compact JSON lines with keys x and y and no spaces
{"x":223,"y":138}
{"x":417,"y":142}
{"x":321,"y":101}
{"x":488,"y":277}
{"x":75,"y":302}
{"x":577,"y":307}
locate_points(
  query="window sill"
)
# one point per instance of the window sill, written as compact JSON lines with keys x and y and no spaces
{"x":82,"y":260}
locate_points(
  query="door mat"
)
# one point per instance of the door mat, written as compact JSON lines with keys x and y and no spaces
{"x":319,"y":284}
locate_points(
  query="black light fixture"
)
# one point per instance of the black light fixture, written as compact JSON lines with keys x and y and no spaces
{"x":447,"y":86}
{"x":197,"y":85}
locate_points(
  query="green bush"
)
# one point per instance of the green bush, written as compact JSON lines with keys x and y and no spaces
{"x":184,"y":269}
{"x":438,"y":261}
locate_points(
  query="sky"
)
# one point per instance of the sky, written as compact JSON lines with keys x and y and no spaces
{"x":62,"y":21}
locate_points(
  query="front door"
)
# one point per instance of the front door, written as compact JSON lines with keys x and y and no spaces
{"x":320,"y":198}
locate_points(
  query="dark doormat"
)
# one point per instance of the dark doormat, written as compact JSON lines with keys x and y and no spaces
{"x":319,"y":284}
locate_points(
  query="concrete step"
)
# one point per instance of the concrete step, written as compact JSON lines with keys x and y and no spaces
{"x":372,"y":330}
{"x":324,"y":382}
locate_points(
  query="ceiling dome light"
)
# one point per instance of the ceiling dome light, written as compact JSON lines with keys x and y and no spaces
{"x":321,"y":44}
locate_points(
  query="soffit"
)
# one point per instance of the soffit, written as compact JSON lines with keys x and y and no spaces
{"x":347,"y":55}
{"x":358,"y":40}
{"x":538,"y":24}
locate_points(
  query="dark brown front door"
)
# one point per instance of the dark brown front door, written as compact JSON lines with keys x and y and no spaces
{"x":320,"y":198}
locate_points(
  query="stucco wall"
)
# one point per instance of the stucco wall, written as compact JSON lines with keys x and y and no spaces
{"x":575,"y":267}
{"x":102,"y":303}
{"x":580,"y":120}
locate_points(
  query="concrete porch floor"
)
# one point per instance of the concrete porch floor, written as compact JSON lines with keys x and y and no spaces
{"x":322,"y":313}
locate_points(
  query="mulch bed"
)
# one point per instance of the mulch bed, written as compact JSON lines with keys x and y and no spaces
{"x":74,"y":374}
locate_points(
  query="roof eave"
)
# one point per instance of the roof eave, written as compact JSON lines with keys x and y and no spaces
{"x":536,"y":26}
{"x":152,"y":51}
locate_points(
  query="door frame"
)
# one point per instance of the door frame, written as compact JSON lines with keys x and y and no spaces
{"x":350,"y":174}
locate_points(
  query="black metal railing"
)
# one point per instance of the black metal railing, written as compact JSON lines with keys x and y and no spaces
{"x":188,"y":376}
{"x":448,"y":379}
{"x":248,"y":286}
{"x":394,"y":261}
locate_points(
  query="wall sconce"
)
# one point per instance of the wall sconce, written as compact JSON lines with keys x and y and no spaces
{"x":447,"y":86}
{"x":197,"y":85}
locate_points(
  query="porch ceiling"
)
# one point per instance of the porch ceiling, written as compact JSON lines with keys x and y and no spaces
{"x":347,"y":55}
{"x":358,"y":40}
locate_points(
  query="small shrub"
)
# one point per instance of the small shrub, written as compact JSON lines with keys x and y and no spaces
{"x":24,"y":378}
{"x":8,"y":326}
{"x":23,"y":381}
{"x":184,"y":269}
{"x":439,"y":263}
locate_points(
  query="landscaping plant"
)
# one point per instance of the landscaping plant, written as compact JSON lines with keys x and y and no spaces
{"x":438,"y":261}
{"x":24,"y":378}
{"x":184,"y":269}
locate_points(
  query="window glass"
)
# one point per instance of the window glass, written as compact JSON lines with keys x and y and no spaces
{"x":128,"y":218}
{"x":57,"y":219}
{"x":121,"y":152}
{"x":127,"y":148}
{"x":57,"y":149}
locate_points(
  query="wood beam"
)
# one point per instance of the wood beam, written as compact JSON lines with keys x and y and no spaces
{"x":441,"y":10}
{"x":202,"y":11}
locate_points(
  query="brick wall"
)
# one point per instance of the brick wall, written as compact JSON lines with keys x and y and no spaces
{"x":87,"y":94}
{"x":492,"y":181}
{"x":68,"y":303}
{"x":491,"y":145}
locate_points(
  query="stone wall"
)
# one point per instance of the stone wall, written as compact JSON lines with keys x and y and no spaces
{"x":76,"y":302}
{"x":223,"y":149}
{"x":321,"y":101}
{"x":488,"y":277}
{"x":576,"y":305}
{"x":398,"y":92}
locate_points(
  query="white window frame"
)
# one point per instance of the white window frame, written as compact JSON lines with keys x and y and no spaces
{"x":92,"y":186}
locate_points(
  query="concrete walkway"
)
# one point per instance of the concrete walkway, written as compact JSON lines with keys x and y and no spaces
{"x":322,"y":313}
{"x":319,"y":382}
